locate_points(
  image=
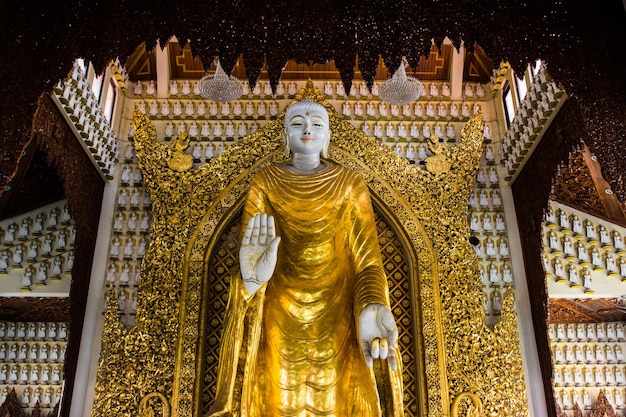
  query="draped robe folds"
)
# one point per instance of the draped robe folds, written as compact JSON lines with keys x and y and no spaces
{"x":301,"y":349}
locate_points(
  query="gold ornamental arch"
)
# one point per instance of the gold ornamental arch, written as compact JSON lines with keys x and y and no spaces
{"x":407,"y":256}
{"x":459,"y":365}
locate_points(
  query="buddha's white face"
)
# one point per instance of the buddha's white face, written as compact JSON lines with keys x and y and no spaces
{"x":308,"y":132}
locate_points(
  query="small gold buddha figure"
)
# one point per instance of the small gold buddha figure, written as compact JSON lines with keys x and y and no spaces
{"x":180,"y":161}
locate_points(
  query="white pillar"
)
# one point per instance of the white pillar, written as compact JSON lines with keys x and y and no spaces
{"x":162,"y":69}
{"x":456,"y":73}
{"x":86,"y":367}
{"x":530,"y":355}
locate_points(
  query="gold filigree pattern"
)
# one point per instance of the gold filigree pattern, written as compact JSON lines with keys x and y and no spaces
{"x":224,"y":255}
{"x":460,"y":354}
{"x":401,"y":285}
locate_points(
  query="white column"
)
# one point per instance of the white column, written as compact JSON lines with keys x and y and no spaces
{"x":456,"y":73}
{"x":162,"y":69}
{"x":86,"y":368}
{"x":530,"y":355}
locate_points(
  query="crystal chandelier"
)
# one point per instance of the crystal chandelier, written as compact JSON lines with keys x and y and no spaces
{"x":401,"y":89}
{"x":220,"y":87}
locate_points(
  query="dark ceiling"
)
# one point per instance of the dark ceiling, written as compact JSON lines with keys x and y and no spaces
{"x":582,"y":41}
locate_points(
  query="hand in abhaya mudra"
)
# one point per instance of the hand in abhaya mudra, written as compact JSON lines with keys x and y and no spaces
{"x":258,"y":253}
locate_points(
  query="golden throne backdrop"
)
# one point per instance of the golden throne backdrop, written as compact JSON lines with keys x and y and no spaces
{"x":452,"y":363}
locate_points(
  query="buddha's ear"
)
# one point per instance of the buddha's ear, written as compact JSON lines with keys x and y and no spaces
{"x":286,"y":143}
{"x":326,"y":145}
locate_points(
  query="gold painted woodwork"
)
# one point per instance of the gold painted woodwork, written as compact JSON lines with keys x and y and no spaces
{"x":462,"y":358}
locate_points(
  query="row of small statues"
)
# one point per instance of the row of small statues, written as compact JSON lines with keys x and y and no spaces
{"x":187,"y":88}
{"x":415,"y":130}
{"x":30,"y":227}
{"x":579,"y":254}
{"x":486,"y":201}
{"x":128,"y":248}
{"x":10,"y":330}
{"x":588,"y":354}
{"x":132,"y":199}
{"x":102,"y":152}
{"x":487,"y":223}
{"x":39,"y":269}
{"x":126,"y":273}
{"x":39,"y":274}
{"x":597,"y":376}
{"x":81,"y":105}
{"x":31,"y":374}
{"x":570,"y":397}
{"x":530,"y":118}
{"x":359,"y":111}
{"x":583,"y":332}
{"x":207,"y":130}
{"x":46,"y":397}
{"x":379,"y":129}
{"x":583,"y":229}
{"x":486,"y":176}
{"x":491,"y":249}
{"x":126,"y":301}
{"x":494,"y":276}
{"x":43,"y":246}
{"x":578,"y":277}
{"x":211,"y":109}
{"x":492,"y":302}
{"x":131,"y":223}
{"x":130,"y":175}
{"x":32,"y":352}
{"x":431,"y":110}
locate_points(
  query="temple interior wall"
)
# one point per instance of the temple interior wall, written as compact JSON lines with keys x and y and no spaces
{"x":175,"y":106}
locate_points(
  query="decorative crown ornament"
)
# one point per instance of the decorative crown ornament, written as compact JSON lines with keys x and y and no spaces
{"x":311,"y":92}
{"x":401,"y":89}
{"x":220,"y":87}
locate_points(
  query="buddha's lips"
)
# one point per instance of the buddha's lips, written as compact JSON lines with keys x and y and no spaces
{"x":306,"y":139}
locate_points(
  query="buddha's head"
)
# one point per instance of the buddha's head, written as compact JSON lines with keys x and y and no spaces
{"x":307,"y":129}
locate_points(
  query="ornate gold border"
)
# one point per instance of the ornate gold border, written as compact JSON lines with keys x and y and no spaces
{"x":462,"y":356}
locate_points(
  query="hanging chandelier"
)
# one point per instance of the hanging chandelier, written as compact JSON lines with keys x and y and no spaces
{"x":219,"y":86}
{"x":401,"y":89}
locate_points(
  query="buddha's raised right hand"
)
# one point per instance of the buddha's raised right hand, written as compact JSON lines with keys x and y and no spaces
{"x":258,"y":253}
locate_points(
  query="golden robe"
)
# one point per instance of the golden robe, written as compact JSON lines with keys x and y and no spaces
{"x":302,"y":356}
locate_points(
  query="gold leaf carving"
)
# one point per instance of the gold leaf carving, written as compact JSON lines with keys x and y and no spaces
{"x":459,"y":355}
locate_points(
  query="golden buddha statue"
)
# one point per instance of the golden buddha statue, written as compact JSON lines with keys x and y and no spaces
{"x":312,"y":300}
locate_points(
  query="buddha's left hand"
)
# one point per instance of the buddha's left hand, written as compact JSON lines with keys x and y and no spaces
{"x":378,"y":334}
